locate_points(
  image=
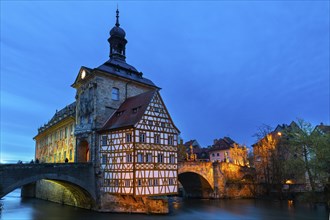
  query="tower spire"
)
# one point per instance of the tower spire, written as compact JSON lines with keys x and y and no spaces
{"x":117,"y":17}
{"x":117,"y":41}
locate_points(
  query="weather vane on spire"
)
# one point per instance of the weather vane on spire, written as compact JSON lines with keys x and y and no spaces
{"x":117,"y":17}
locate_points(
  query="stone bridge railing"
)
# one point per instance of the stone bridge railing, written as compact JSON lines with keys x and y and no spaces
{"x":13,"y":176}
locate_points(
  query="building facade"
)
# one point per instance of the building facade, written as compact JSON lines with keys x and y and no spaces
{"x":120,"y":123}
{"x":227,"y":150}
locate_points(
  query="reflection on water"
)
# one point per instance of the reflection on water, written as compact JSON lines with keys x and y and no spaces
{"x":15,"y":207}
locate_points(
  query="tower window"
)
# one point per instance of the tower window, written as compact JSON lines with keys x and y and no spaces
{"x":115,"y":94}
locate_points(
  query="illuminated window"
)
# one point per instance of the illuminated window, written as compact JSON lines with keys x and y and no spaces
{"x":70,"y":154}
{"x":115,"y":94}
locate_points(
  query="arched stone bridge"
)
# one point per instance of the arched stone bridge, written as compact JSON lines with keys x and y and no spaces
{"x":79,"y":178}
{"x":215,"y":180}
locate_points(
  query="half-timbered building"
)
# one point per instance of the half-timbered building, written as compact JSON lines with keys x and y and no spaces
{"x":139,"y":148}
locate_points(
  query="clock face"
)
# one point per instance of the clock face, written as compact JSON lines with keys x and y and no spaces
{"x":83,"y":74}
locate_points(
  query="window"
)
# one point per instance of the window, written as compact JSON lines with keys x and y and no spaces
{"x":115,"y":94}
{"x":218,"y":154}
{"x":127,"y":183}
{"x":140,"y":158}
{"x":104,"y":158}
{"x":64,"y":155}
{"x":104,"y":140}
{"x":160,"y":158}
{"x":70,"y":154}
{"x":139,"y":182}
{"x":150,"y":123}
{"x":155,"y":182}
{"x":150,"y":181}
{"x":129,"y":158}
{"x":106,"y":182}
{"x":116,"y":182}
{"x":157,"y":139}
{"x":156,"y":109}
{"x":59,"y":157}
{"x":149,"y":158}
{"x":128,"y":138}
{"x":163,"y":124}
{"x":54,"y":158}
{"x":213,"y":155}
{"x":142,"y":138}
{"x":170,"y":140}
{"x":71,"y":129}
{"x":170,"y":181}
{"x":172,"y":158}
{"x":66,"y":132}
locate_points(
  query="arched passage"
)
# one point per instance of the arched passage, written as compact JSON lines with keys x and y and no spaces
{"x":83,"y":152}
{"x":195,"y":185}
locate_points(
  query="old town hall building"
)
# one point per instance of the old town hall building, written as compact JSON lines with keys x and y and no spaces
{"x":118,"y":122}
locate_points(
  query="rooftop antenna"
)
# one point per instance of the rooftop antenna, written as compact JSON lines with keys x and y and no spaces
{"x":117,"y":17}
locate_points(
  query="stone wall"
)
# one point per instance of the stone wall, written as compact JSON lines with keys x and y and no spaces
{"x":130,"y":204}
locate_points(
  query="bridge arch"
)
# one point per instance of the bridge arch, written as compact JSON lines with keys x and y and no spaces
{"x":196,"y":178}
{"x":76,"y":180}
{"x":195,"y":185}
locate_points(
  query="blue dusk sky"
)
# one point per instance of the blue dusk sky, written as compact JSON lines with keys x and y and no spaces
{"x":225,"y":67}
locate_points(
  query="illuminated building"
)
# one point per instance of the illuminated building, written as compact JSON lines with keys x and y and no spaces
{"x":118,"y":122}
{"x":227,"y":150}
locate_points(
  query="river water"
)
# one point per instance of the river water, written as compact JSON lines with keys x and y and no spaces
{"x":15,"y":207}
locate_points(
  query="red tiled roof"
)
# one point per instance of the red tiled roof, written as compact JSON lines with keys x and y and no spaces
{"x":130,"y":112}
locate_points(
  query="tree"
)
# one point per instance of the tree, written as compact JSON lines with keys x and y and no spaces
{"x":311,"y":152}
{"x":269,"y":157}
